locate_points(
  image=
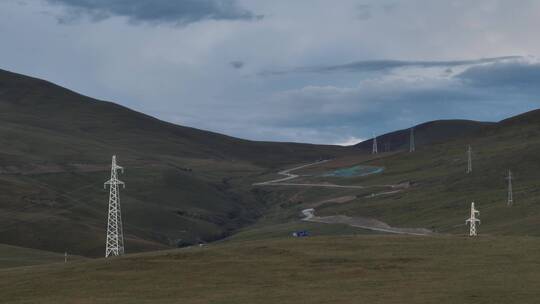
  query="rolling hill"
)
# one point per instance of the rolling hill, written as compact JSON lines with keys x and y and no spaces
{"x":426,"y":134}
{"x":56,"y":117}
{"x":184,"y":185}
{"x":430,"y":188}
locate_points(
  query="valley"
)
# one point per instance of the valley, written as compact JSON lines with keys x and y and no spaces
{"x":203,"y":210}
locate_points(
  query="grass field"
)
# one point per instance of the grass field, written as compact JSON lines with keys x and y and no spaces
{"x":356,"y":269}
{"x":12,"y":256}
{"x":440,"y":191}
{"x":186,"y":186}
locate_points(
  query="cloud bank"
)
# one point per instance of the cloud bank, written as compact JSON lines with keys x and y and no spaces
{"x":155,"y":11}
{"x":388,"y":64}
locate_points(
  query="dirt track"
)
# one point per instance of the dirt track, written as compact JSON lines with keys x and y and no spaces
{"x":366,"y":223}
{"x":359,"y":222}
{"x":290,"y":176}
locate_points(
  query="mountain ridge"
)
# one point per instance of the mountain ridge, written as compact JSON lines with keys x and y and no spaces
{"x":427,"y":133}
{"x":184,"y":185}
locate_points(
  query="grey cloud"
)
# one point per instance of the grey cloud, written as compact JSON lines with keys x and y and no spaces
{"x":392,"y":103}
{"x":366,"y":105}
{"x":387,"y":64}
{"x":390,"y":7}
{"x":179,"y":12}
{"x":363,"y":11}
{"x":237,"y":64}
{"x":522,"y":75}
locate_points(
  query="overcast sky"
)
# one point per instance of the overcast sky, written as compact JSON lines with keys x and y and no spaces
{"x":303,"y":70}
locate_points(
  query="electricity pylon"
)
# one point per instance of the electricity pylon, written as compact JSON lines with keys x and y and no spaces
{"x":375,"y":150}
{"x":510,"y":201}
{"x":412,"y":147}
{"x":473,"y":220}
{"x":115,"y":236}
{"x":469,"y":159}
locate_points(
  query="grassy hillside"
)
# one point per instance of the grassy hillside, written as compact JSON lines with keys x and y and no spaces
{"x":184,"y":185}
{"x":381,"y":269}
{"x":440,"y":191}
{"x":67,"y":127}
{"x":426,"y":134}
{"x":13,"y":256}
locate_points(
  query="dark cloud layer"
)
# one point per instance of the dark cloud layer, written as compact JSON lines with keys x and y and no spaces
{"x":155,"y":11}
{"x":522,"y":75}
{"x":237,"y":64}
{"x":386,"y":64}
{"x":383,"y":104}
{"x":363,"y":11}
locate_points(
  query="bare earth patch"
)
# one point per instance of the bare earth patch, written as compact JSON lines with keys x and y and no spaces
{"x":367,"y":223}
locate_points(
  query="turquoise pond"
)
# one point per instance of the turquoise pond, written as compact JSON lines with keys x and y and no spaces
{"x":355,"y":171}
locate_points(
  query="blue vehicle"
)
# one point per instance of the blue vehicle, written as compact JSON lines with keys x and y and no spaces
{"x":302,"y":233}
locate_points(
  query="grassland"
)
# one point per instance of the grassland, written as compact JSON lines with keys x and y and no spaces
{"x":184,"y":185}
{"x":12,"y":256}
{"x":359,"y":269}
{"x":187,"y":186}
{"x":440,"y":191}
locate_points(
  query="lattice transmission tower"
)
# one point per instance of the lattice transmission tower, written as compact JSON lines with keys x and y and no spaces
{"x":469,"y":159}
{"x":412,"y":146}
{"x":510,"y":200}
{"x":472,"y":220}
{"x":375,"y":146}
{"x":115,"y":236}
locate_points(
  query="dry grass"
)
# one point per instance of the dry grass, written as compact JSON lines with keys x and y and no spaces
{"x":361,"y":269}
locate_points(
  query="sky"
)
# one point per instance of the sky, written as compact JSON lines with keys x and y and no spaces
{"x":317,"y":71}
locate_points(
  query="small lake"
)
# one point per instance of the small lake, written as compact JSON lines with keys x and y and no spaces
{"x":355,"y":171}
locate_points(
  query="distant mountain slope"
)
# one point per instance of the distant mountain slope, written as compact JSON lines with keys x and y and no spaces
{"x":428,"y":133}
{"x":440,"y":131}
{"x":43,"y":106}
{"x":184,"y":185}
{"x":531,"y":117}
{"x":438,"y":190}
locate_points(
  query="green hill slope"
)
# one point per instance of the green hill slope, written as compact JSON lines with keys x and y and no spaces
{"x":426,"y":134}
{"x":440,"y":191}
{"x":58,"y":117}
{"x":184,"y":185}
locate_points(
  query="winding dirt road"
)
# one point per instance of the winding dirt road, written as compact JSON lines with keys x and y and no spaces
{"x":290,"y":176}
{"x":358,"y":222}
{"x":363,"y":223}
